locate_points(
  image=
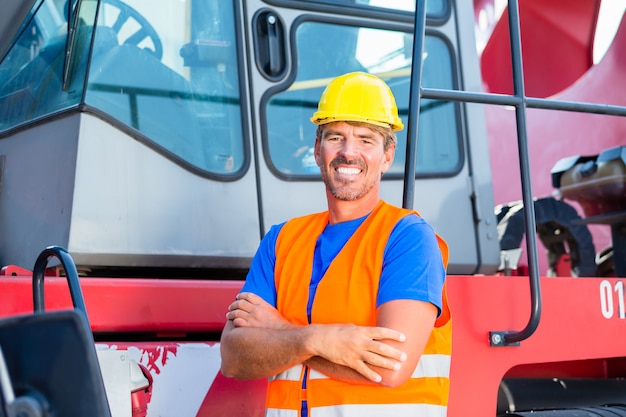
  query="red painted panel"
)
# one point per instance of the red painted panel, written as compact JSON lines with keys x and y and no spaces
{"x":572,"y":332}
{"x":132,"y":305}
{"x":580,"y":323}
{"x":245,"y":398}
{"x":557,"y":45}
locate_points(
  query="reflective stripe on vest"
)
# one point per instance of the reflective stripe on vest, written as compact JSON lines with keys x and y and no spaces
{"x":369,"y":410}
{"x":348,"y":291}
{"x":429,"y":365}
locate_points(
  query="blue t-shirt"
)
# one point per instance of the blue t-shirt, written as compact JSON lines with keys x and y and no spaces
{"x":412,"y":265}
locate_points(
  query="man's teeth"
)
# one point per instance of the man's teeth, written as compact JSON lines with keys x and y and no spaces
{"x":348,"y":171}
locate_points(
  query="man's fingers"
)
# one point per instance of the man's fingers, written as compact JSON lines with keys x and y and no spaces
{"x":385,"y":333}
{"x":367,"y":372}
{"x":389,"y":361}
{"x":239,"y":322}
{"x":249,"y":297}
{"x":364,"y":349}
{"x":254,"y":311}
{"x":245,"y":301}
{"x":235,"y":313}
{"x":386,"y":351}
{"x":241,"y":304}
{"x":238,"y":317}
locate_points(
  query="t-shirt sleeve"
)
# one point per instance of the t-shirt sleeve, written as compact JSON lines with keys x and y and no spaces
{"x":412,"y":267}
{"x":260,"y":278}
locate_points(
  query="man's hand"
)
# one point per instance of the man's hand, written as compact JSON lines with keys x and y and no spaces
{"x":358,"y":347}
{"x":250,"y":310}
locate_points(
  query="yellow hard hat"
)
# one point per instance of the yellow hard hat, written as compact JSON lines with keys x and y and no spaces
{"x":358,"y":97}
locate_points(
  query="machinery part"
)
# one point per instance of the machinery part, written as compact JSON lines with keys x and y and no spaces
{"x":597,"y":183}
{"x":557,"y":224}
{"x":53,"y":367}
{"x":124,"y":13}
{"x":604,"y":411}
{"x":358,"y":97}
{"x":145,"y":31}
{"x":605,"y":262}
{"x":561,"y":397}
{"x":10,"y":406}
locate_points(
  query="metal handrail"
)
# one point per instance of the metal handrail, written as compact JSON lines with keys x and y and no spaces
{"x":520,"y":101}
{"x":530,"y":102}
{"x":71,"y":274}
{"x":512,"y":337}
{"x":415,"y":95}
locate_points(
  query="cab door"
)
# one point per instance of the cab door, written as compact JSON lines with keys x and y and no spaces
{"x":300,"y":46}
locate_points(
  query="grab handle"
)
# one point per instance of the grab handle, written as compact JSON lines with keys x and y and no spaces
{"x":71,"y":275}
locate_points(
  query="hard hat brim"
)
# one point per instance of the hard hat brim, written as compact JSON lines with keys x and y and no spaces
{"x":322,"y":120}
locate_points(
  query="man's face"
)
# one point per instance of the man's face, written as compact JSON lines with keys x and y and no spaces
{"x":352,"y":160}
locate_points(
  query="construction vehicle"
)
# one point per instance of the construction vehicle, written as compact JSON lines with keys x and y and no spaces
{"x":146,"y":147}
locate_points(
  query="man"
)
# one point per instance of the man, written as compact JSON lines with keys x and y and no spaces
{"x":340,"y":307}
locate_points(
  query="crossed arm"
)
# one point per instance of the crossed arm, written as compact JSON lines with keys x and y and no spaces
{"x":258,"y":342}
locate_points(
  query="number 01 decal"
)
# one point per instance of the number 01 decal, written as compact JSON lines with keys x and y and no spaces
{"x":612,"y":298}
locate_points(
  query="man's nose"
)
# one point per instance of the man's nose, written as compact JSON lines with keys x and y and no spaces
{"x":350,"y":146}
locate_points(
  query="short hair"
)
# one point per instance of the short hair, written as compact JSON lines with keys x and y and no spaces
{"x":388,"y":134}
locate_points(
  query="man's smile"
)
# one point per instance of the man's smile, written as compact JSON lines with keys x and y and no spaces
{"x":348,"y":170}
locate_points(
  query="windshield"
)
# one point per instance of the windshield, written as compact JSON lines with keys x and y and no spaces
{"x":165,"y":70}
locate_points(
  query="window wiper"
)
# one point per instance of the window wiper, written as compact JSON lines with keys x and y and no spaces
{"x":72,"y":27}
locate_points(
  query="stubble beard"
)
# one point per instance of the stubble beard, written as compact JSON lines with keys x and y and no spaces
{"x":345,"y":190}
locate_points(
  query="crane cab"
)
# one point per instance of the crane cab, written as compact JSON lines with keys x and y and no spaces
{"x":139,"y":136}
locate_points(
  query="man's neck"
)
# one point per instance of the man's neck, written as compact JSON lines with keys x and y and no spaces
{"x":342,"y":211}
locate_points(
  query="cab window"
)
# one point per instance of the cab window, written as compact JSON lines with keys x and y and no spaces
{"x":436,"y":9}
{"x":166,"y":70}
{"x":327,"y":50}
{"x":171,"y":72}
{"x":31,"y":83}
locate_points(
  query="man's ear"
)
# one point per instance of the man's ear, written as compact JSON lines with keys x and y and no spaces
{"x":316,"y":151}
{"x":388,"y":157}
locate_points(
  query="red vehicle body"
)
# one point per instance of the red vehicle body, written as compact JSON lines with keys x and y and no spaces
{"x":575,"y":358}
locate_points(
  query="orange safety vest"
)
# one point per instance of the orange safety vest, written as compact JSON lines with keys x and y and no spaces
{"x":347,"y":294}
